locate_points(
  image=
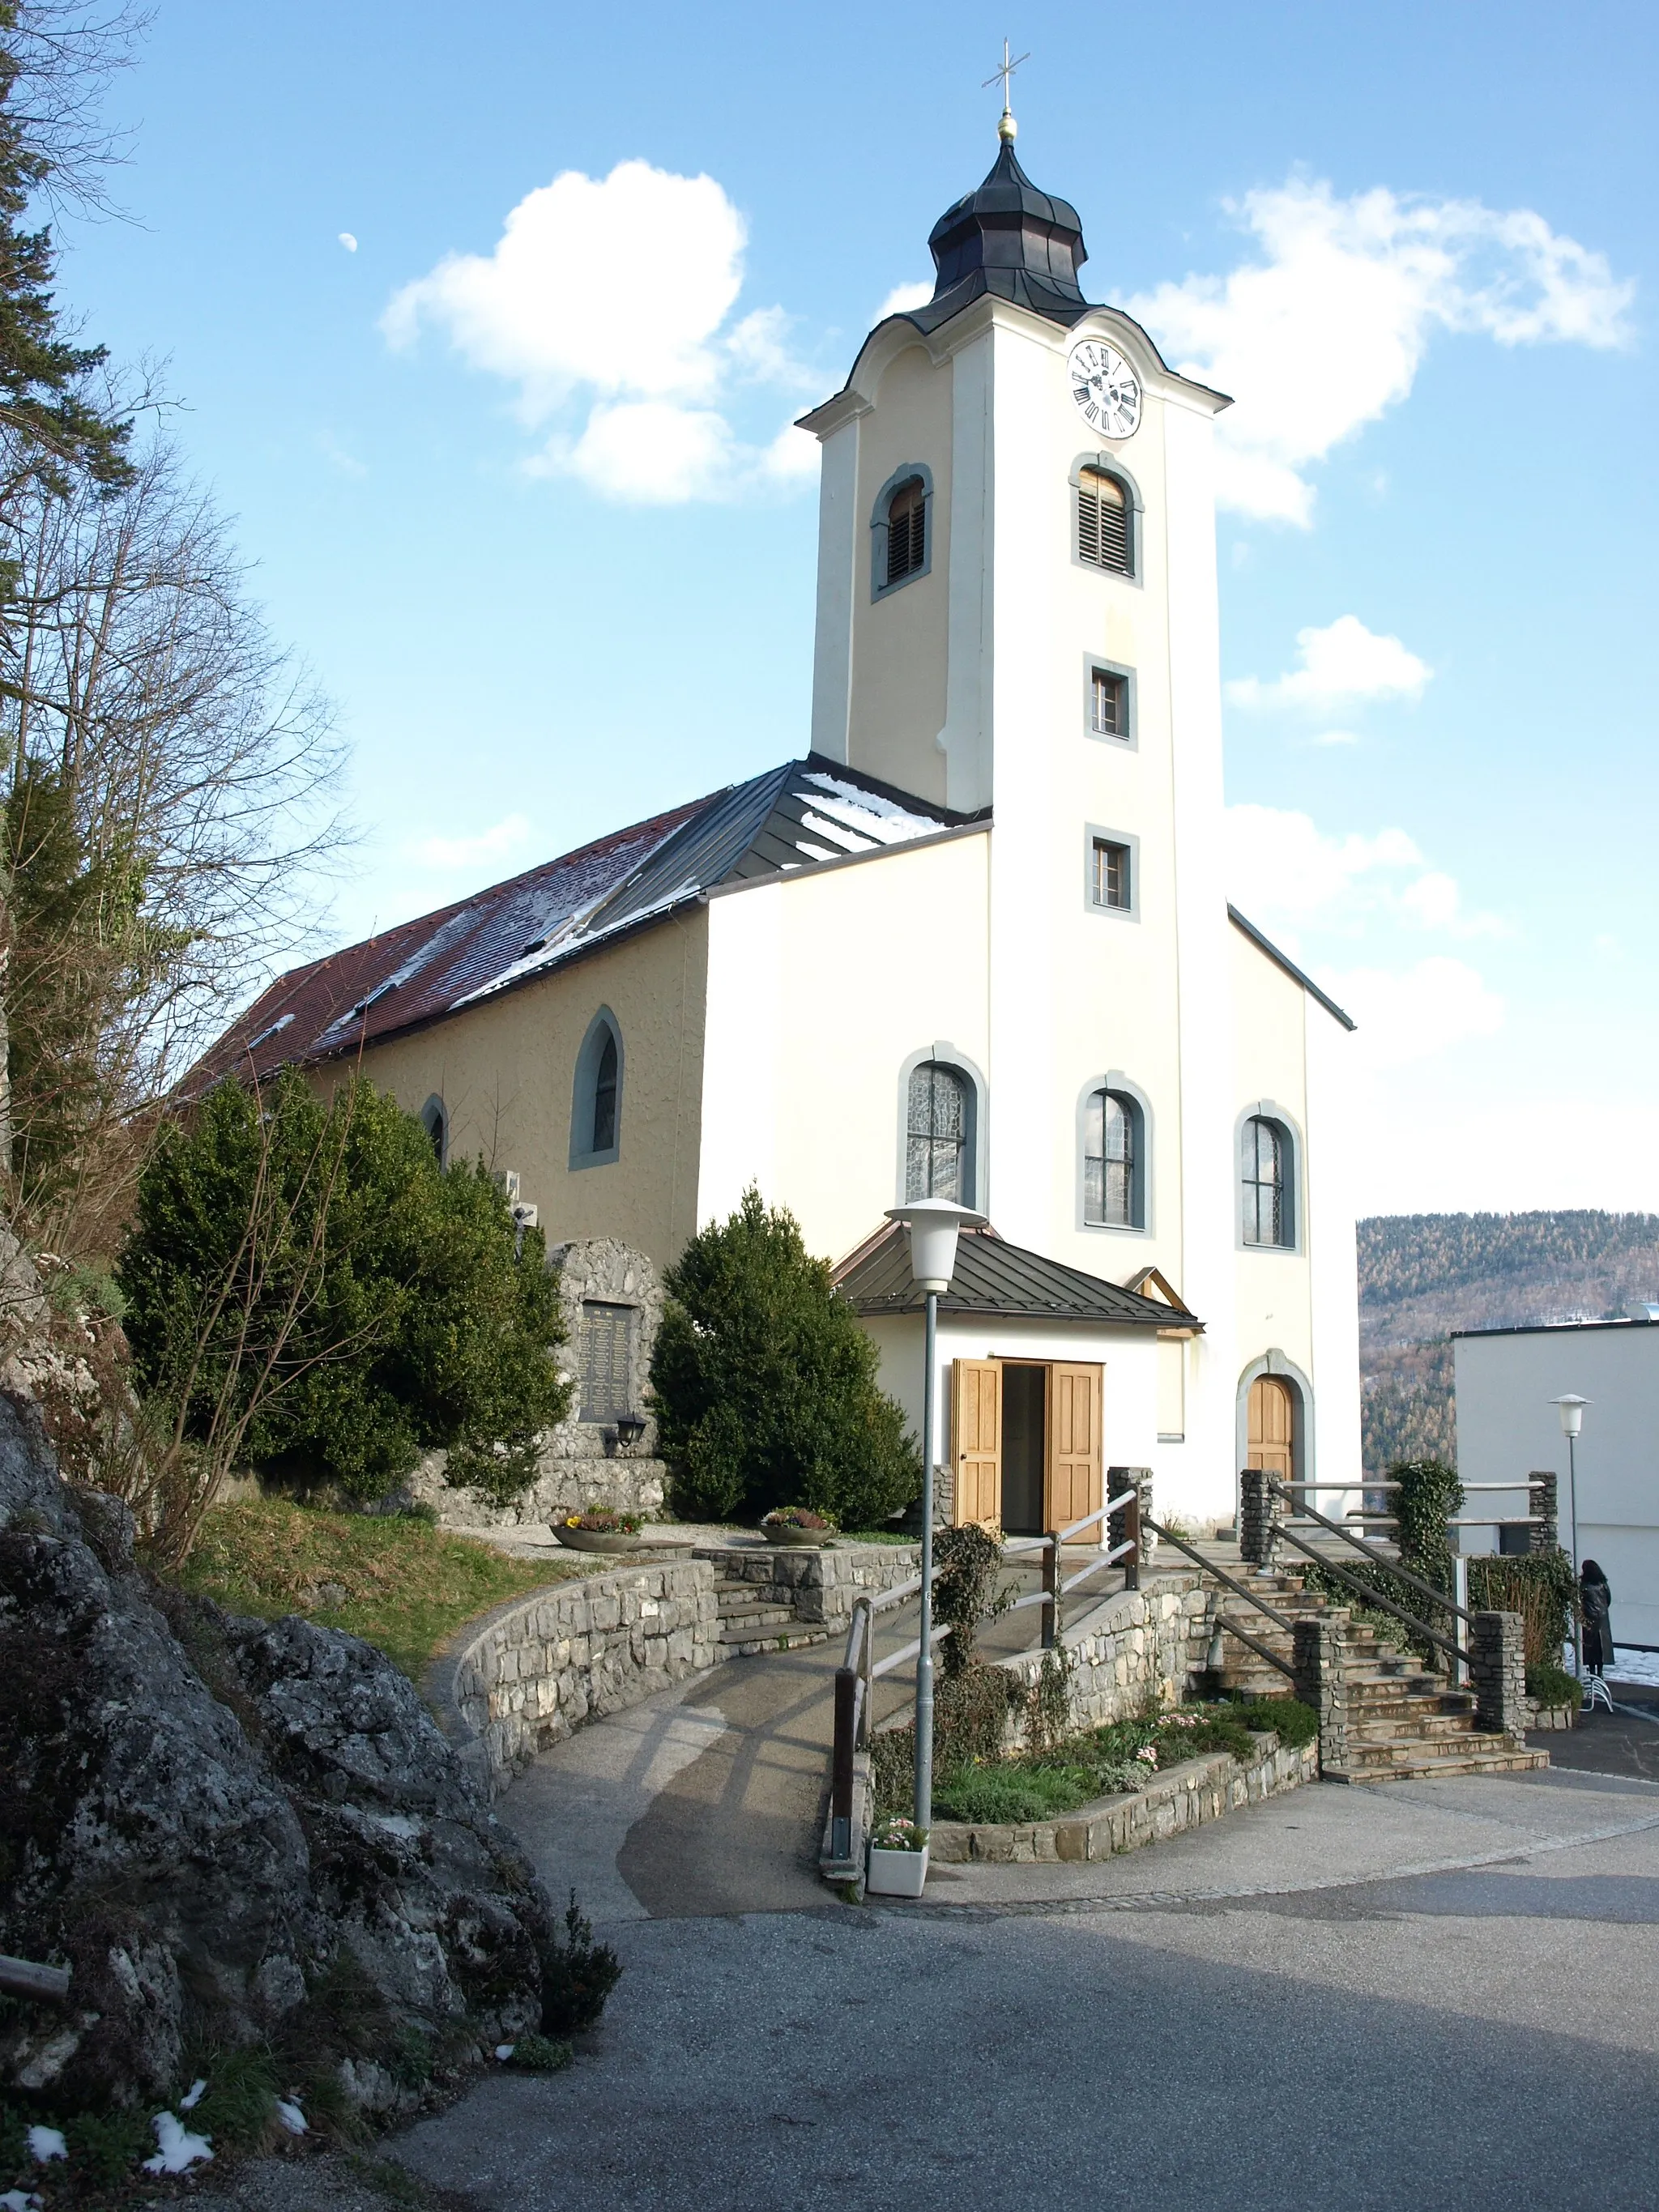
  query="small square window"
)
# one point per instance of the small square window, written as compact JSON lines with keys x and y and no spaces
{"x":1109,"y":704}
{"x":1108,"y":874}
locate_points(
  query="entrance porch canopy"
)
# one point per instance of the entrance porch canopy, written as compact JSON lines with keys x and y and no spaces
{"x":995,"y":1279}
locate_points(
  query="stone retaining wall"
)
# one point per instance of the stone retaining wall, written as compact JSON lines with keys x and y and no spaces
{"x":1140,"y":1646}
{"x":820,"y":1585}
{"x":533,"y":1670}
{"x":1197,"y":1791}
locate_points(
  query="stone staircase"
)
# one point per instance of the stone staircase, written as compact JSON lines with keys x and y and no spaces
{"x":752,"y":1621}
{"x":1402,"y":1722}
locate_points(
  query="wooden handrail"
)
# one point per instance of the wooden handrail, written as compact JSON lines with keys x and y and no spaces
{"x":22,"y":1978}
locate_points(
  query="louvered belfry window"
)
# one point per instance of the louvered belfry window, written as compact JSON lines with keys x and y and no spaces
{"x":937,"y":1134}
{"x":1102,"y":522}
{"x":907,"y":531}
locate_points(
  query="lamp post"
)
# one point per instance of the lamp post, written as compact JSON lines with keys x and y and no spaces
{"x":1571,"y":1406}
{"x":934,"y":1224}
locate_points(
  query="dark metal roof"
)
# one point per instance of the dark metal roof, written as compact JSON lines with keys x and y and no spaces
{"x":800,"y":816}
{"x":1283,"y":960}
{"x":992,"y":1277}
{"x":1012,"y":241}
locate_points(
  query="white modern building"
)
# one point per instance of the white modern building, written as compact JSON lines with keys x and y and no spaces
{"x":975,"y":944}
{"x":1508,"y":1427}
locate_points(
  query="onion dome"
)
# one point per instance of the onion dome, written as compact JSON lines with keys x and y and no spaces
{"x":1012,"y":241}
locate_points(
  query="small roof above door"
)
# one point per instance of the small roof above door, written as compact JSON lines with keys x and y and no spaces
{"x":993,"y":1277}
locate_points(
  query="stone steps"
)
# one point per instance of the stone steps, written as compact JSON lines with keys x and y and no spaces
{"x":1401,"y":1724}
{"x":1496,"y":1754}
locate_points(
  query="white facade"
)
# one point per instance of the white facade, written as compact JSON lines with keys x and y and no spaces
{"x":967,"y":686}
{"x":1508,"y":1428}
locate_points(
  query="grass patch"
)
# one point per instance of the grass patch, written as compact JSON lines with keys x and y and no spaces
{"x":393,"y":1579}
{"x":1103,"y":1762}
{"x":876,"y":1536}
{"x":1012,"y":1791}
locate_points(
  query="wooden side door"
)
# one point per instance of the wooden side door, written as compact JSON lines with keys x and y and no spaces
{"x":976,"y":1440}
{"x":1270,"y":1432}
{"x":1072,"y":1474}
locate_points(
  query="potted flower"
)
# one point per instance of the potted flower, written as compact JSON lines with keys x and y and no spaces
{"x":601,"y":1530}
{"x":796,"y":1524}
{"x":898,"y":1858}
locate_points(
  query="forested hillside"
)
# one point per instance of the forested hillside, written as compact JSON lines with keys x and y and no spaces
{"x":1422,"y":1275}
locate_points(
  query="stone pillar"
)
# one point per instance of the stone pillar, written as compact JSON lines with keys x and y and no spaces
{"x":1497,"y":1672}
{"x":1321,"y":1682}
{"x":1258,"y":1518}
{"x":1127,"y":1520}
{"x":1545,"y":1534}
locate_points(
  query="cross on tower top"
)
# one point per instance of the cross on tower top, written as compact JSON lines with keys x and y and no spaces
{"x":1008,"y":126}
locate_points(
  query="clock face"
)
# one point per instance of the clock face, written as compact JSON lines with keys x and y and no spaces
{"x":1106,"y":389}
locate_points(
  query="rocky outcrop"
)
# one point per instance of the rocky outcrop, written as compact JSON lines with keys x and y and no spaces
{"x":232,"y":1832}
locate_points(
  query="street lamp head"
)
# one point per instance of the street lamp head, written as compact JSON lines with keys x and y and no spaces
{"x":1571,"y":1406}
{"x":934,"y":1224}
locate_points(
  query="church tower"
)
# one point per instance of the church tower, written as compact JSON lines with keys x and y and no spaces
{"x":1017,"y":612}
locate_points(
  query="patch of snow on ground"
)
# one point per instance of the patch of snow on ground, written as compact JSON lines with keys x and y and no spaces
{"x":291,"y":2117}
{"x":176,"y":2148}
{"x":47,"y":2143}
{"x":1636,"y":1666}
{"x":192,"y":2096}
{"x":14,"y":2201}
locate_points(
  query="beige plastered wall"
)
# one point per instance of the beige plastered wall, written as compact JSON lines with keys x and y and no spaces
{"x":821,"y":986}
{"x":506,"y":1068}
{"x":1271,"y":1013}
{"x":899,"y":641}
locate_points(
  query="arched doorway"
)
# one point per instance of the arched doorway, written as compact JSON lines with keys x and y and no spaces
{"x":1270,"y":1427}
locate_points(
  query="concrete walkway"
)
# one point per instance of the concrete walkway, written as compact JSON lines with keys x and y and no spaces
{"x":1443,"y":1992}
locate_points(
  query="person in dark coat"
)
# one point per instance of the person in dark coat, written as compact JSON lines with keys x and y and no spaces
{"x":1596,"y":1604}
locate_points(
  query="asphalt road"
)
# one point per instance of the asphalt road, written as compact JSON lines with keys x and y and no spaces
{"x":1425,"y":1995}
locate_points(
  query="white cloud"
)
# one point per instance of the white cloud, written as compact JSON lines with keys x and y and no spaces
{"x":1417,"y":1013}
{"x":1341,"y":666}
{"x":1487,"y":1156}
{"x":608,"y":299}
{"x":1335,"y":737}
{"x":1326,"y":330}
{"x":1289,"y":876}
{"x":901,"y":299}
{"x":348,"y":242}
{"x":500,"y":843}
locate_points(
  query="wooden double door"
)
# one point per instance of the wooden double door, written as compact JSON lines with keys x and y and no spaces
{"x":1025,"y":1440}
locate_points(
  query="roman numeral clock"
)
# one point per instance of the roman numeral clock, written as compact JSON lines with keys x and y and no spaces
{"x":1105,"y":388}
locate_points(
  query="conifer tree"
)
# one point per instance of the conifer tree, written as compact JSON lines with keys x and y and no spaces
{"x":765,"y":1383}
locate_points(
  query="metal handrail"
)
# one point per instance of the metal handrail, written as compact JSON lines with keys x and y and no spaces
{"x":1101,"y":1513}
{"x":1376,"y":1597}
{"x":1377,"y":1558}
{"x":911,"y":1650}
{"x":1233,"y":1628}
{"x":1238,"y":1589}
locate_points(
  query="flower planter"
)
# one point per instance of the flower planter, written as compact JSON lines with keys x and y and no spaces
{"x":897,"y":1874}
{"x":598,"y":1539}
{"x":784,"y":1532}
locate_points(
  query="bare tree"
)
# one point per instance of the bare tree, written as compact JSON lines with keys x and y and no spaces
{"x":172,"y":776}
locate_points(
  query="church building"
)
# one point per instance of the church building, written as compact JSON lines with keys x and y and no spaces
{"x":974,"y":943}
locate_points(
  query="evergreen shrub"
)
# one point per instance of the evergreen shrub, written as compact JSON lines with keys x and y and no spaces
{"x":765,"y":1384}
{"x":314,"y":1261}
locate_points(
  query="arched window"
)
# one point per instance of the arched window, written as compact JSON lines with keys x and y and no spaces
{"x":1269,"y":1184}
{"x":604,"y":1099}
{"x":1113,"y":1162}
{"x":1105,"y":522}
{"x":596,"y":1097}
{"x":907,"y":531}
{"x":435,"y":1122}
{"x":938,"y":1160}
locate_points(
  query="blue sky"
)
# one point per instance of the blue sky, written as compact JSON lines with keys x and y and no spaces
{"x":532,"y":517}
